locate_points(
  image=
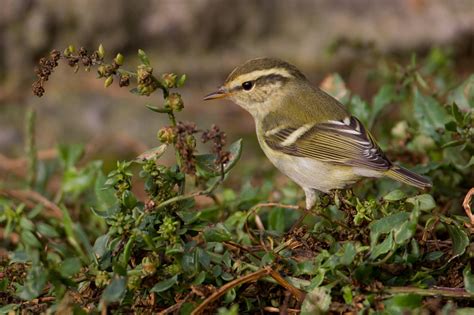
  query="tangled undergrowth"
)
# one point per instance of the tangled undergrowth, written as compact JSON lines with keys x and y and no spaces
{"x":93,"y":246}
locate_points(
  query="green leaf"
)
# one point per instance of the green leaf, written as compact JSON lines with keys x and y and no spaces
{"x":70,"y":266}
{"x":203,"y":258}
{"x":217,"y":233}
{"x":459,"y":239}
{"x":468,"y":279}
{"x":457,"y":114}
{"x":105,"y":195}
{"x":429,"y":114}
{"x":181,"y":80}
{"x":386,"y":225}
{"x":206,"y":163}
{"x":152,"y":154}
{"x":360,"y":109}
{"x":77,"y":181}
{"x":158,"y":109}
{"x":463,"y":95}
{"x":100,"y":245}
{"x":143,"y":57}
{"x":267,"y":259}
{"x":35,"y":283}
{"x":128,"y":199}
{"x":433,"y":256}
{"x":70,"y":154}
{"x":165,"y":284}
{"x":116,"y":289}
{"x":405,"y":232}
{"x":402,"y":302}
{"x":277,"y":220}
{"x":349,"y":253}
{"x":347,"y":294}
{"x":7,"y":309}
{"x":29,"y":239}
{"x":317,"y":301}
{"x":383,"y":97}
{"x":383,"y":247}
{"x":47,"y":230}
{"x":423,"y":202}
{"x":394,"y":195}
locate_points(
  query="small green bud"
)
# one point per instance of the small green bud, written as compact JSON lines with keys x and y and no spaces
{"x":108,"y":81}
{"x":181,"y":80}
{"x":149,"y":266}
{"x":174,"y":102}
{"x":71,"y":48}
{"x":101,"y":51}
{"x":102,"y":279}
{"x":169,"y":80}
{"x":66,"y":52}
{"x":134,"y":282}
{"x":166,"y":135}
{"x":119,"y":59}
{"x":101,"y":71}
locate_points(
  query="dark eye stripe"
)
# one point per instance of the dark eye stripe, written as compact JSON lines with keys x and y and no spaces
{"x":264,"y":80}
{"x":271,"y":78}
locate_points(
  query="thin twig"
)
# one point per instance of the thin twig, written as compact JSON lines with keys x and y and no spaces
{"x":231,"y":245}
{"x":30,"y":147}
{"x":254,"y":276}
{"x":176,"y":199}
{"x":434,"y":291}
{"x":299,"y":295}
{"x":467,"y":205}
{"x":27,"y":196}
{"x":271,"y":309}
{"x":174,"y":307}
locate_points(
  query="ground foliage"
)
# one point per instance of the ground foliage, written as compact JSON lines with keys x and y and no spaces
{"x":94,"y":246}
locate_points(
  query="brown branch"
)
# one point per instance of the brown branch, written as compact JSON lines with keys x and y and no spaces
{"x":271,"y":309}
{"x":434,"y":291}
{"x":30,"y":197}
{"x":254,"y":276}
{"x":467,"y":205}
{"x":299,"y":295}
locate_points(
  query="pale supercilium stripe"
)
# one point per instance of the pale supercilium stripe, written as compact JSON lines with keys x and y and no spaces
{"x":251,"y":76}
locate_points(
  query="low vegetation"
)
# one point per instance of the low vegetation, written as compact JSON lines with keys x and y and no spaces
{"x":190,"y":244}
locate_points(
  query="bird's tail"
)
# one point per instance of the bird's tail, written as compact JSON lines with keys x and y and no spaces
{"x":408,"y":177}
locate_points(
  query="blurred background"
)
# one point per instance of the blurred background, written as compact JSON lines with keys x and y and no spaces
{"x":205,"y":39}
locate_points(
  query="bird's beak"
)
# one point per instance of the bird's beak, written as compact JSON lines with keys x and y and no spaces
{"x":220,"y":93}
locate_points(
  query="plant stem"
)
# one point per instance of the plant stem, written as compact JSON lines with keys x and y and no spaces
{"x":30,"y":147}
{"x":435,"y":291}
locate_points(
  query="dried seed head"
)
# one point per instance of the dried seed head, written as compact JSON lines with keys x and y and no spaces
{"x":166,"y":135}
{"x":124,"y":80}
{"x":169,"y":80}
{"x":174,"y":102}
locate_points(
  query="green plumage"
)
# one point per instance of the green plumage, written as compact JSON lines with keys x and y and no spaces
{"x":307,"y":133}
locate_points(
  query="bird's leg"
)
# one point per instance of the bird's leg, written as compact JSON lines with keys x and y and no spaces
{"x":311,"y":198}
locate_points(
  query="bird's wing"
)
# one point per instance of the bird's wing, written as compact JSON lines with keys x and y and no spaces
{"x":342,"y":142}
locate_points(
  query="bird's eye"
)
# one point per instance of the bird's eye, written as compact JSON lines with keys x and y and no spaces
{"x":247,"y":85}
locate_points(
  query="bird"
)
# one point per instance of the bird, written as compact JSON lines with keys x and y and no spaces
{"x":306,"y":133}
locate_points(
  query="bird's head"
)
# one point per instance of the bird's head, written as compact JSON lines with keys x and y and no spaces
{"x":257,"y":84}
